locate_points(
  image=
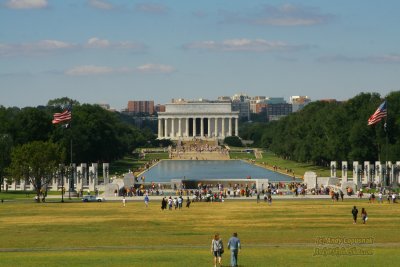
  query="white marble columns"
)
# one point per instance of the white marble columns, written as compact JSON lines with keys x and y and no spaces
{"x":196,"y":126}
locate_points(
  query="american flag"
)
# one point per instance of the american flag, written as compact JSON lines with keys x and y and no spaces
{"x":65,"y":116}
{"x":379,"y":114}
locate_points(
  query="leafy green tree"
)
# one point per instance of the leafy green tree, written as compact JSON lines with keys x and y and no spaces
{"x":5,"y":155}
{"x":36,"y":162}
{"x":233,"y":141}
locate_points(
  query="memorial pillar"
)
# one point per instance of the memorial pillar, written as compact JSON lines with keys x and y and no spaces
{"x":172,"y":127}
{"x":209,"y":128}
{"x":159,"y":128}
{"x":106,"y":167}
{"x":378,"y":172}
{"x":236,"y":126}
{"x":367,"y":172}
{"x":344,"y":171}
{"x":202,"y":127}
{"x":390,"y":172}
{"x":166,"y":127}
{"x":194,"y":127}
{"x":187,"y":127}
{"x":230,"y":127}
{"x":216,"y":127}
{"x":180,"y":127}
{"x":333,"y":169}
{"x":223,"y":128}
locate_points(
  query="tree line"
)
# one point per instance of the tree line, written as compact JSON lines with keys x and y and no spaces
{"x":97,"y":135}
{"x":325,"y":131}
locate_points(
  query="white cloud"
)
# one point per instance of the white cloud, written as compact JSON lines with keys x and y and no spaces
{"x":256,"y":45}
{"x":380,"y":59}
{"x":97,"y":43}
{"x":53,"y":46}
{"x":151,"y":8}
{"x":89,"y":70}
{"x":155,"y":68}
{"x":100,"y":4}
{"x":284,"y":15}
{"x":26,"y":4}
{"x":38,"y":48}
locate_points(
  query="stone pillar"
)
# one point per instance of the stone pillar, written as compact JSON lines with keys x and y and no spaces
{"x":180,"y":127}
{"x":209,"y":128}
{"x":166,"y":127}
{"x":397,"y":174}
{"x":390,"y":172}
{"x":378,"y":172}
{"x":93,"y":177}
{"x":230,"y":127}
{"x":344,"y":171}
{"x":187,"y":127}
{"x":194,"y":127}
{"x":216,"y":127}
{"x":333,"y":168}
{"x":159,"y":128}
{"x":202,"y":127}
{"x":367,"y":172}
{"x":106,"y":169}
{"x":236,"y":126}
{"x":172,"y":127}
{"x":223,"y":128}
{"x":357,"y":174}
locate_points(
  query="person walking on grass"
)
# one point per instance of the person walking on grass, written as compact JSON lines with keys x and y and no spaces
{"x":364,"y":215}
{"x":146,"y":200}
{"x":124,"y":201}
{"x":234,"y":246}
{"x":354,"y":211}
{"x":217,"y":249}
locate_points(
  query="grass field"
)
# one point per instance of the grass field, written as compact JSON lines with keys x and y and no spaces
{"x":271,"y":159}
{"x":131,"y":163}
{"x":107,"y":234}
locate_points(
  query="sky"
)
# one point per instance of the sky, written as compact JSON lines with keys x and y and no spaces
{"x":105,"y":51}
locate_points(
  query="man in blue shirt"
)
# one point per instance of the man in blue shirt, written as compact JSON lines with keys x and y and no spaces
{"x":234,"y":246}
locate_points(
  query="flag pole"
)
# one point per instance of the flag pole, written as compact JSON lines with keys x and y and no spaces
{"x":387,"y":144}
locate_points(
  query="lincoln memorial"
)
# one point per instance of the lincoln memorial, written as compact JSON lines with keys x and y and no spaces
{"x":205,"y":120}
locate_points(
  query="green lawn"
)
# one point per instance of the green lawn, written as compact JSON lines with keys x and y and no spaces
{"x":299,"y":168}
{"x":107,"y":234}
{"x":132,"y":163}
{"x":241,"y":155}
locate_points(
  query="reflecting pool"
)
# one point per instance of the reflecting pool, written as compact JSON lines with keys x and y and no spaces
{"x":166,"y":170}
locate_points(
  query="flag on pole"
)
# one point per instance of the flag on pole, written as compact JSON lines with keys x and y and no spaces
{"x":65,"y":116}
{"x":379,"y":114}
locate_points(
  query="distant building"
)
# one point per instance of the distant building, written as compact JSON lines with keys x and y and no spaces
{"x":141,"y":107}
{"x":159,"y":108}
{"x":185,"y":120}
{"x":105,"y":106}
{"x":299,"y":102}
{"x":277,"y":111}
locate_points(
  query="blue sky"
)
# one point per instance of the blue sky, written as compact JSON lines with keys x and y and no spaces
{"x":100,"y":51}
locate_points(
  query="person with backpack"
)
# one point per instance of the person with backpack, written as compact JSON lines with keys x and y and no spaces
{"x":217,"y":249}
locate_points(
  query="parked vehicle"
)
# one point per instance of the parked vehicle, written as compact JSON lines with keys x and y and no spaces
{"x":90,"y":198}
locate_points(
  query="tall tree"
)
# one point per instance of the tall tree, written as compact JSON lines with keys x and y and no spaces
{"x":36,"y":162}
{"x":5,"y":155}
